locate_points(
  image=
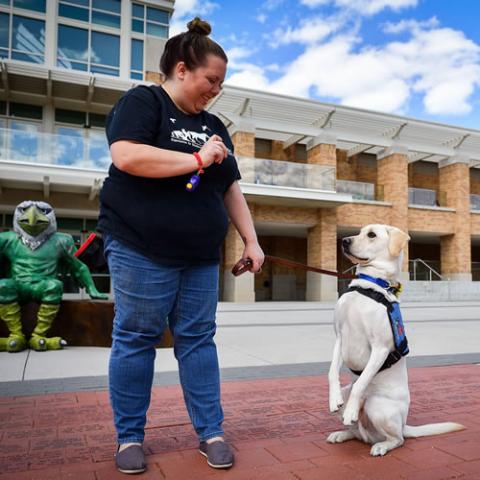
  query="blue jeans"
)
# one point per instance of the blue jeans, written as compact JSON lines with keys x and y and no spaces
{"x":146,"y":294}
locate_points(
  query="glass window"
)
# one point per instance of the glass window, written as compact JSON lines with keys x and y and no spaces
{"x":108,"y":5}
{"x":4,"y":34}
{"x":3,"y":108}
{"x":28,"y":39}
{"x":70,"y":223}
{"x":72,"y":49}
{"x":91,"y":225}
{"x":137,"y":55}
{"x":138,"y":26}
{"x":153,"y":21}
{"x":69,"y":116}
{"x":5,"y":2}
{"x":97,"y":120}
{"x":70,"y":11}
{"x":138,"y":11}
{"x":102,"y":18}
{"x":105,"y":49}
{"x":26,"y":111}
{"x":36,"y":5}
{"x":82,"y":3}
{"x":157,"y":15}
{"x":157,"y":30}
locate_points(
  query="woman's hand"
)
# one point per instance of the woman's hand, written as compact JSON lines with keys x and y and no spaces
{"x":213,"y":151}
{"x":254,"y":252}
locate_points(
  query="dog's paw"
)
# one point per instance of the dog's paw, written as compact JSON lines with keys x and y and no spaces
{"x":379,"y":450}
{"x":350,"y":415}
{"x":335,"y":401}
{"x":340,"y":436}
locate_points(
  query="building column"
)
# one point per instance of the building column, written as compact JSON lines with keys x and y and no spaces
{"x":456,"y":253}
{"x":322,"y":253}
{"x":392,"y":179}
{"x":241,"y":288}
{"x":243,"y":139}
{"x":322,"y":150}
{"x":322,"y":239}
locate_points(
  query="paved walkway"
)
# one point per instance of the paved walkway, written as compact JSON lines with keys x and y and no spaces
{"x":277,"y":426}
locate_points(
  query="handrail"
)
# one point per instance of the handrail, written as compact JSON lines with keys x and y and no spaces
{"x":349,"y":269}
{"x":430,"y":269}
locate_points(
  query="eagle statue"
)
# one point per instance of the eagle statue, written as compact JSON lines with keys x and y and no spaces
{"x":35,"y":251}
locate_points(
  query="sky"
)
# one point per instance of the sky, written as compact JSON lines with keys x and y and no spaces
{"x":415,"y":58}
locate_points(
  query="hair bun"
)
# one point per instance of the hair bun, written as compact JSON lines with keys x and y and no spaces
{"x":199,"y":26}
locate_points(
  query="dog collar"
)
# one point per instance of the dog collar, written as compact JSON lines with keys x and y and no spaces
{"x":379,"y":281}
{"x":395,"y":289}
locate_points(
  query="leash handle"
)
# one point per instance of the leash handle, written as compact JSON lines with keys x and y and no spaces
{"x":242,"y":266}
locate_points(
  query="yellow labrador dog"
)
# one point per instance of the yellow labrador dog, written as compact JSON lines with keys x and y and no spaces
{"x":371,"y":342}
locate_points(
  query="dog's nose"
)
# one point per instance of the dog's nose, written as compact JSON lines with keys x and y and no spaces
{"x":346,"y":242}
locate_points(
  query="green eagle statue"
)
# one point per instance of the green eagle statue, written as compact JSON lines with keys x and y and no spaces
{"x":35,"y":250}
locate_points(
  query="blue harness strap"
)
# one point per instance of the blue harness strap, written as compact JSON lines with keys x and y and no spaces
{"x":396,"y":322}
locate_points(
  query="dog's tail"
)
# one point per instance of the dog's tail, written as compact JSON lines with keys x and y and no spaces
{"x":410,"y":431}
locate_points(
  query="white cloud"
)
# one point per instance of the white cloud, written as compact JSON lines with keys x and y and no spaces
{"x":249,"y":76}
{"x":309,"y":31}
{"x":410,"y":25}
{"x":440,"y":64}
{"x":186,"y":10}
{"x":364,"y":7}
{"x":261,"y":18}
{"x":358,"y":79}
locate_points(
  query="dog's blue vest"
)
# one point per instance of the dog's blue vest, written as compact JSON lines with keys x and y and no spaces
{"x":396,"y":322}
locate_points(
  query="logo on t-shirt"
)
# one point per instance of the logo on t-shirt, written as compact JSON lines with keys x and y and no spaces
{"x":191,"y":138}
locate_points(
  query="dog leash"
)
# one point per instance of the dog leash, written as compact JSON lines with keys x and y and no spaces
{"x":244,"y":265}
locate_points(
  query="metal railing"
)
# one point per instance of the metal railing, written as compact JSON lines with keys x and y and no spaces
{"x":261,"y":171}
{"x":422,"y":196}
{"x":358,"y":190}
{"x":474,"y":201}
{"x":421,"y":270}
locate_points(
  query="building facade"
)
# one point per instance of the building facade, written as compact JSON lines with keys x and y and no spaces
{"x":311,"y":172}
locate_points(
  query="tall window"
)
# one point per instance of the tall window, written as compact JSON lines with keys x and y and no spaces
{"x":22,"y":38}
{"x":88,"y":50}
{"x":150,"y":20}
{"x":99,"y":12}
{"x":136,"y":61}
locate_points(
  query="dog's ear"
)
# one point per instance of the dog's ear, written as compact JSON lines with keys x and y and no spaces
{"x":398,"y":241}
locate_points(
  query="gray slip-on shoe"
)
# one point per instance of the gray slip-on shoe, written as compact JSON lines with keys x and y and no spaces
{"x":131,"y":460}
{"x":219,"y":454}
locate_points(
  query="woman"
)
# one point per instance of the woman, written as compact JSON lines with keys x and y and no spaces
{"x":163,"y":230}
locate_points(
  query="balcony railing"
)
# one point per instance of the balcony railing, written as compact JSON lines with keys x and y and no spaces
{"x":474,"y":202}
{"x":261,"y":171}
{"x":358,"y":190}
{"x":81,"y":151}
{"x":422,"y":196}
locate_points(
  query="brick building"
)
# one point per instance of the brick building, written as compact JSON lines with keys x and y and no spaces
{"x":311,"y":172}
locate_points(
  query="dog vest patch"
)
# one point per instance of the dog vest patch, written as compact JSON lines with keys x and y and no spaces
{"x":396,"y":322}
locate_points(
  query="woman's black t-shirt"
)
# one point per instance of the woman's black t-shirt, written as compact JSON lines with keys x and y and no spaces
{"x":159,"y":217}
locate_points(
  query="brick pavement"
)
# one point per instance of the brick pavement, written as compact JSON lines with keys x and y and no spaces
{"x":277,"y":426}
